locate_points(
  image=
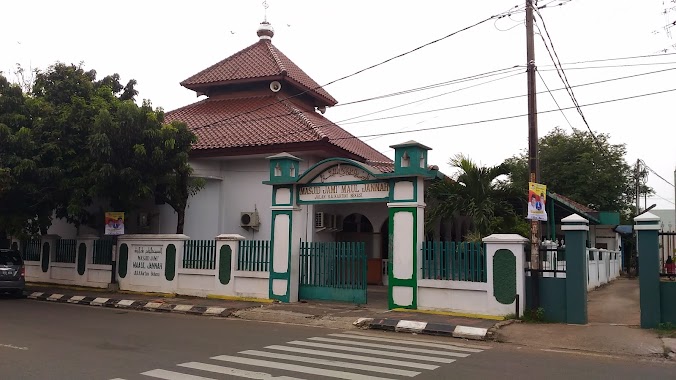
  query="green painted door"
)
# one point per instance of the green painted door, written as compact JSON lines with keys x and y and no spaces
{"x":333,"y":271}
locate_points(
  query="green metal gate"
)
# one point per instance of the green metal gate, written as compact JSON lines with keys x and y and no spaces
{"x":333,"y":271}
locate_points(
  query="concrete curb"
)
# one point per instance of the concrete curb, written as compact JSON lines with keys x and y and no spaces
{"x":210,"y":311}
{"x":426,"y":328}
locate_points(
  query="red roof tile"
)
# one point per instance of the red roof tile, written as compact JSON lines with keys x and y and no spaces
{"x":265,"y":121}
{"x":260,"y":60}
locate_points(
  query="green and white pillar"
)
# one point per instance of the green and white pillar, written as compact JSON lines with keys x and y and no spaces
{"x":647,"y":226}
{"x":407,"y":221}
{"x":576,"y":229}
{"x":285,"y":237}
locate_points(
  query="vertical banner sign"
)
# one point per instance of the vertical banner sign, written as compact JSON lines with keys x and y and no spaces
{"x":114,"y":223}
{"x":537,"y":196}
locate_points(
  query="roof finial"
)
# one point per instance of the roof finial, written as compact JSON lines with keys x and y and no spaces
{"x":265,"y":30}
{"x":265,"y":10}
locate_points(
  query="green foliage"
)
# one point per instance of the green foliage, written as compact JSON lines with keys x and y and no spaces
{"x":534,"y":315}
{"x":574,"y":165}
{"x":74,"y":139}
{"x":667,"y":330}
{"x":478,"y":193}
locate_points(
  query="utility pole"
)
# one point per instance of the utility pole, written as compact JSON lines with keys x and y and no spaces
{"x":638,"y":208}
{"x":533,"y":154}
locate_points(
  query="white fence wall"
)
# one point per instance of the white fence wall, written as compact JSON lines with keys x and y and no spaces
{"x":603,"y":266}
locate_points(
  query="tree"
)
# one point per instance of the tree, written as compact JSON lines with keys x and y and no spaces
{"x":478,"y":193}
{"x":28,"y":167}
{"x":74,"y":140}
{"x":588,"y":170}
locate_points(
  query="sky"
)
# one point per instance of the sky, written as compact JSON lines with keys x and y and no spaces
{"x":160,"y":43}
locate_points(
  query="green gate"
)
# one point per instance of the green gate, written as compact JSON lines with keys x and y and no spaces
{"x":333,"y":271}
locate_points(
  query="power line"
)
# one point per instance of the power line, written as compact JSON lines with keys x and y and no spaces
{"x":508,"y":117}
{"x":661,"y":197}
{"x":554,"y":98}
{"x":497,"y":99}
{"x":564,"y":78}
{"x":655,"y":173}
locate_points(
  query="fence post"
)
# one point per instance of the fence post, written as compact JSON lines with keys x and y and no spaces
{"x":505,"y":275}
{"x":646,"y":227}
{"x":227,"y":245}
{"x":576,"y":229}
{"x":82,"y":261}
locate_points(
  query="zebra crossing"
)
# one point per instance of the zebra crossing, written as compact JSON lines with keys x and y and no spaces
{"x":345,"y":355}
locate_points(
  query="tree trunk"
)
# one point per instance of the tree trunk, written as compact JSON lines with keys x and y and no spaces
{"x":181,"y":220}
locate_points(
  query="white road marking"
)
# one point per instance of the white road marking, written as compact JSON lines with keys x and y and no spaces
{"x":235,"y":372}
{"x":153,"y":305}
{"x":298,"y":368}
{"x":333,"y":363}
{"x":36,"y":294}
{"x":390,"y":347}
{"x":406,"y":340}
{"x":182,"y":307}
{"x":362,"y":358}
{"x":54,"y":297}
{"x":410,"y":342}
{"x":125,"y":303}
{"x":373,"y":352}
{"x":13,"y":347}
{"x":74,"y":299}
{"x":171,"y":375}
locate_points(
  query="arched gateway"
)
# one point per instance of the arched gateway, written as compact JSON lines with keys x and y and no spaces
{"x":306,"y":264}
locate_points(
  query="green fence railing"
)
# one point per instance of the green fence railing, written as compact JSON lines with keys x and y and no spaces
{"x":103,"y":252}
{"x":30,"y":249}
{"x":457,"y":261}
{"x":65,"y":251}
{"x":199,"y":254}
{"x":254,"y":255}
{"x":339,"y":265}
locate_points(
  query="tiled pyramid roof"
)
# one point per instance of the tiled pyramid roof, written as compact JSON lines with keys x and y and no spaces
{"x":268,"y":120}
{"x":262,"y":60}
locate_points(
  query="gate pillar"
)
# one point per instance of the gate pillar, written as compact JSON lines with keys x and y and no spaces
{"x":646,"y":227}
{"x":576,"y":229}
{"x":407,"y":219}
{"x":286,"y":230}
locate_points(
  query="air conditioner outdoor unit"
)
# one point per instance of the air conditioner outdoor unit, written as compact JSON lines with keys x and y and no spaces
{"x":249,"y":219}
{"x":320,"y":220}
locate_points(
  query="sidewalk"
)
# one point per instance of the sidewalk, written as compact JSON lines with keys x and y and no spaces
{"x":613,"y":328}
{"x":374,"y":315}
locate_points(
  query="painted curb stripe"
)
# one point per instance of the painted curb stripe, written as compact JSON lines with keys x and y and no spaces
{"x":54,"y":297}
{"x":470,"y":332}
{"x":75,"y":299}
{"x":99,"y":301}
{"x":410,"y":326}
{"x":182,"y":308}
{"x":214,"y":310}
{"x":124,"y":303}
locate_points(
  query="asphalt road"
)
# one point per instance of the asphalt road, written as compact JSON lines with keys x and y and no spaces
{"x":40,"y":340}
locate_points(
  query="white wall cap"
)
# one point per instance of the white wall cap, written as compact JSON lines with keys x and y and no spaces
{"x":647,"y":227}
{"x":574,"y":218}
{"x":229,"y":237}
{"x":154,"y":237}
{"x":647,"y":217}
{"x":574,"y":227}
{"x":505,"y":238}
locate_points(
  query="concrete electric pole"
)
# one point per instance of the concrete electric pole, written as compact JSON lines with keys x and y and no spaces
{"x":533,"y":153}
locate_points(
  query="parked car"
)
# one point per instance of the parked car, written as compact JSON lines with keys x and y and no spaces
{"x":12,"y":272}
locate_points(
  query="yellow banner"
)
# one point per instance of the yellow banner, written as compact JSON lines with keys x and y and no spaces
{"x":114,"y":223}
{"x":537,"y":199}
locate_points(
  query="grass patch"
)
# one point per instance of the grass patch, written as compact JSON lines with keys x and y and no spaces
{"x":666,"y":330}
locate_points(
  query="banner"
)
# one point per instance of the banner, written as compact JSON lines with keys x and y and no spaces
{"x":114,"y":223}
{"x":537,"y":198}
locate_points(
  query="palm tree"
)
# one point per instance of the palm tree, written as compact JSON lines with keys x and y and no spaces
{"x":474,"y":192}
